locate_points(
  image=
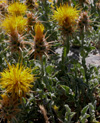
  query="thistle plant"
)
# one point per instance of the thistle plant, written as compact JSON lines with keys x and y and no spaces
{"x":39,"y":47}
{"x":14,"y":27}
{"x":16,"y":81}
{"x":66,"y":17}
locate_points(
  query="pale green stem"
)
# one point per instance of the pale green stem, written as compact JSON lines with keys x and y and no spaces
{"x":66,"y":48}
{"x":42,"y":67}
{"x":83,"y":56}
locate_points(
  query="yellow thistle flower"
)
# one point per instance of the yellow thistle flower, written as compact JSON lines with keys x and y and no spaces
{"x":17,"y":8}
{"x":40,"y":46}
{"x":66,"y":15}
{"x":16,"y":80}
{"x":12,"y":23}
{"x":39,"y":29}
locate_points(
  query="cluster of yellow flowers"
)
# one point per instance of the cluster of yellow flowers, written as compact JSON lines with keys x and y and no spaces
{"x":16,"y":80}
{"x":14,"y":24}
{"x":14,"y":19}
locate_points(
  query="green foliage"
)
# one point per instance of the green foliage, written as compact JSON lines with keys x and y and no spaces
{"x":68,"y":115}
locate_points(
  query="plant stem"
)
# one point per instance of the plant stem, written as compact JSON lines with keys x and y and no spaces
{"x":83,"y":56}
{"x":42,"y":68}
{"x":66,"y":48}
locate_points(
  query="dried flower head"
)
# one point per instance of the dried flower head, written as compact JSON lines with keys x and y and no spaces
{"x":31,"y":19}
{"x":32,"y":4}
{"x":8,"y":108}
{"x":98,"y":6}
{"x":17,"y":8}
{"x":12,"y":23}
{"x":83,"y":22}
{"x":16,"y":42}
{"x":66,"y":17}
{"x":16,"y":80}
{"x":44,"y":112}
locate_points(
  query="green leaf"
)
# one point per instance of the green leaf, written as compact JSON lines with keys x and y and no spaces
{"x":83,"y":118}
{"x":67,"y":108}
{"x":72,"y":114}
{"x":66,"y":88}
{"x":49,"y":69}
{"x":68,"y":115}
{"x":84,"y":110}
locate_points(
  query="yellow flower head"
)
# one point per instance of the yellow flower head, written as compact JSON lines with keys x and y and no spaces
{"x":3,"y":1}
{"x":16,"y":80}
{"x":12,"y":23}
{"x":17,"y":8}
{"x":39,"y":28}
{"x":66,"y":15}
